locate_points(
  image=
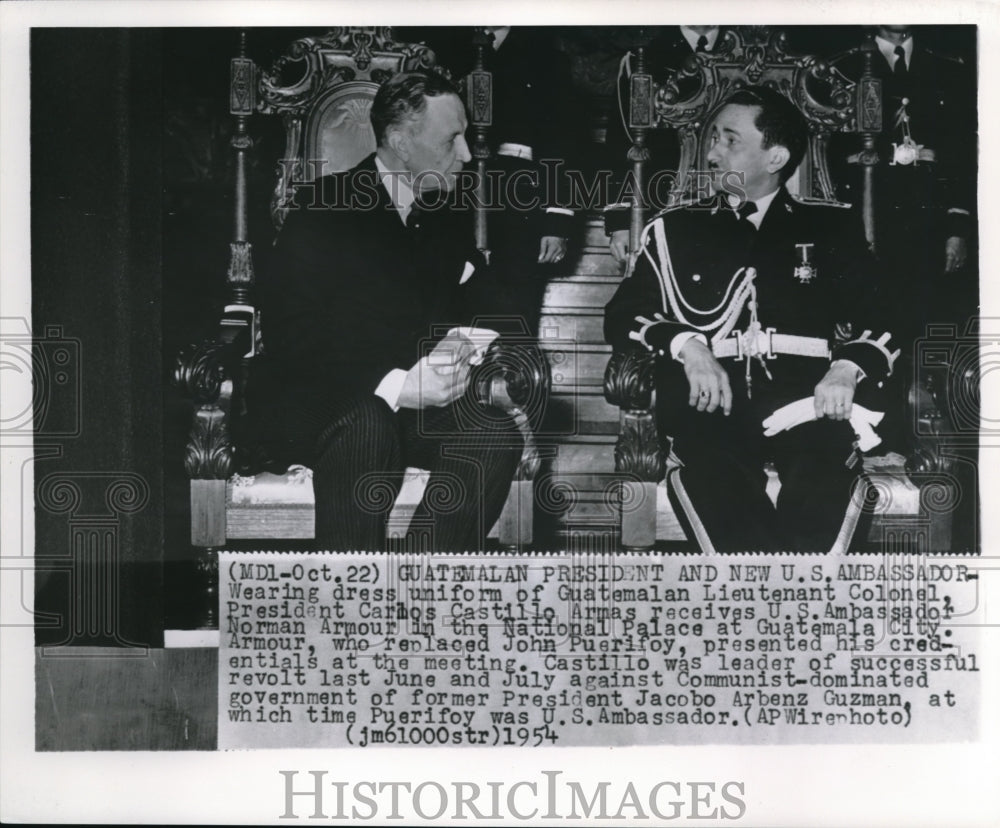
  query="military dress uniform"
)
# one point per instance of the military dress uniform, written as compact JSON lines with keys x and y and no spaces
{"x":804,"y":281}
{"x":925,"y":182}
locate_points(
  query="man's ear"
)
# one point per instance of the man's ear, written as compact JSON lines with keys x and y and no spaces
{"x":777,"y":158}
{"x":399,"y":142}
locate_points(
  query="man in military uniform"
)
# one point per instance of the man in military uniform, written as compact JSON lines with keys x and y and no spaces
{"x":925,"y":182}
{"x":744,"y":299}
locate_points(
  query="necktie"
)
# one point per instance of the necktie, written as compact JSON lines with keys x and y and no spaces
{"x":702,"y":44}
{"x":415,"y":218}
{"x":899,"y":68}
{"x":747,"y":209}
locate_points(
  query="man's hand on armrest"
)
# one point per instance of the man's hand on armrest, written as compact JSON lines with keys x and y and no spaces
{"x":708,"y":380}
{"x":619,"y":245}
{"x":834,"y":395}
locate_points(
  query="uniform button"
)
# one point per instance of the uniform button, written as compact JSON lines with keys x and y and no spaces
{"x":696,"y":277}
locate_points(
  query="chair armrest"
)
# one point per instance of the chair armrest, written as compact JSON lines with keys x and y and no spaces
{"x":628,"y":380}
{"x":517,"y":378}
{"x":628,"y":384}
{"x":932,"y":400}
{"x":514,"y":375}
{"x":209,"y":374}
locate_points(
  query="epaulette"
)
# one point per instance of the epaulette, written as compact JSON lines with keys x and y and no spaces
{"x":683,"y":204}
{"x":949,"y":58}
{"x":811,"y":201}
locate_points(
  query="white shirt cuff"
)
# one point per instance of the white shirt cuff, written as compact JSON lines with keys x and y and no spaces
{"x":391,"y":387}
{"x":681,"y":339}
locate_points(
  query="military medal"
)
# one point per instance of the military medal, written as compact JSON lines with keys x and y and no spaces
{"x":805,"y":270}
{"x":909,"y":151}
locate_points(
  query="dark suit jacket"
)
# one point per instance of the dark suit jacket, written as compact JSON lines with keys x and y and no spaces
{"x":352,"y":293}
{"x":708,"y":244}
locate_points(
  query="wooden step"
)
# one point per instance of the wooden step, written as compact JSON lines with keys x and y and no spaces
{"x":577,"y":367}
{"x":582,"y":290}
{"x":567,"y":415}
{"x":593,"y":232}
{"x":576,"y":324}
{"x":598,"y":262}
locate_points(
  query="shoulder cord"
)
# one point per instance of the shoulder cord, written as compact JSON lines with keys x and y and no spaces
{"x":741,"y":292}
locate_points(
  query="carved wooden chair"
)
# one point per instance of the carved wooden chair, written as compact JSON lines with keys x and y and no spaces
{"x":908,"y":501}
{"x":324,"y":108}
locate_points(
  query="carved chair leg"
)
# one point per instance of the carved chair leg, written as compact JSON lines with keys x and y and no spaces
{"x":638,"y":502}
{"x":640,"y":462}
{"x":207,"y":567}
{"x":208,"y":512}
{"x":208,"y":531}
{"x":517,"y":518}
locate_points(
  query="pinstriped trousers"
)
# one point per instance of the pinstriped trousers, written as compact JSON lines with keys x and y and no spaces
{"x":358,"y":449}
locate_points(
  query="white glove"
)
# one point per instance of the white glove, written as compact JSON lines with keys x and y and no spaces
{"x":863,"y":421}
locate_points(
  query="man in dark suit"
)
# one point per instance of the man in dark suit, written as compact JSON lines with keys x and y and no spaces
{"x":668,"y":52}
{"x":359,"y":382}
{"x":742,"y":299}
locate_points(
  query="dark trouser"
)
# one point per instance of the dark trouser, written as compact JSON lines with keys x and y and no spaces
{"x":360,"y":453}
{"x":723,"y":474}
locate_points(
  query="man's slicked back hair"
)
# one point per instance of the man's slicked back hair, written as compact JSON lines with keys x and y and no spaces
{"x":779,"y":121}
{"x":403,"y":97}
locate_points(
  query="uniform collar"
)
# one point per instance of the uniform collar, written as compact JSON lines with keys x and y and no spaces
{"x":499,"y":36}
{"x":888,"y":50}
{"x":763,"y":204}
{"x":691,"y":36}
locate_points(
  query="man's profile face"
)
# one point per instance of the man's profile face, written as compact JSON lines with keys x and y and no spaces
{"x":736,"y":148}
{"x":438,"y":149}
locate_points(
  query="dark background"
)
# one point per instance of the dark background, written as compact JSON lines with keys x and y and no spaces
{"x":131,"y":210}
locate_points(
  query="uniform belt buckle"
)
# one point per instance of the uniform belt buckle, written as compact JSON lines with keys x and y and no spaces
{"x":769,"y":339}
{"x":763,"y":339}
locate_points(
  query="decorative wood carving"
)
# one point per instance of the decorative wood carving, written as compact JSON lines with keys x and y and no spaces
{"x":640,"y":120}
{"x":200,"y":372}
{"x":628,"y":380}
{"x":367,"y":56}
{"x":628,"y":384}
{"x":637,"y":452}
{"x":210,"y":452}
{"x":241,"y":104}
{"x":516,"y":378}
{"x":479,"y":102}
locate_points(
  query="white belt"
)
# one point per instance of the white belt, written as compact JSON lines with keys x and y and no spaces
{"x":768,"y":344}
{"x":516,"y":151}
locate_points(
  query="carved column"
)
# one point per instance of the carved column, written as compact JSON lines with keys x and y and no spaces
{"x":242,"y":99}
{"x":869,"y":109}
{"x":640,"y":120}
{"x":479,"y":92}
